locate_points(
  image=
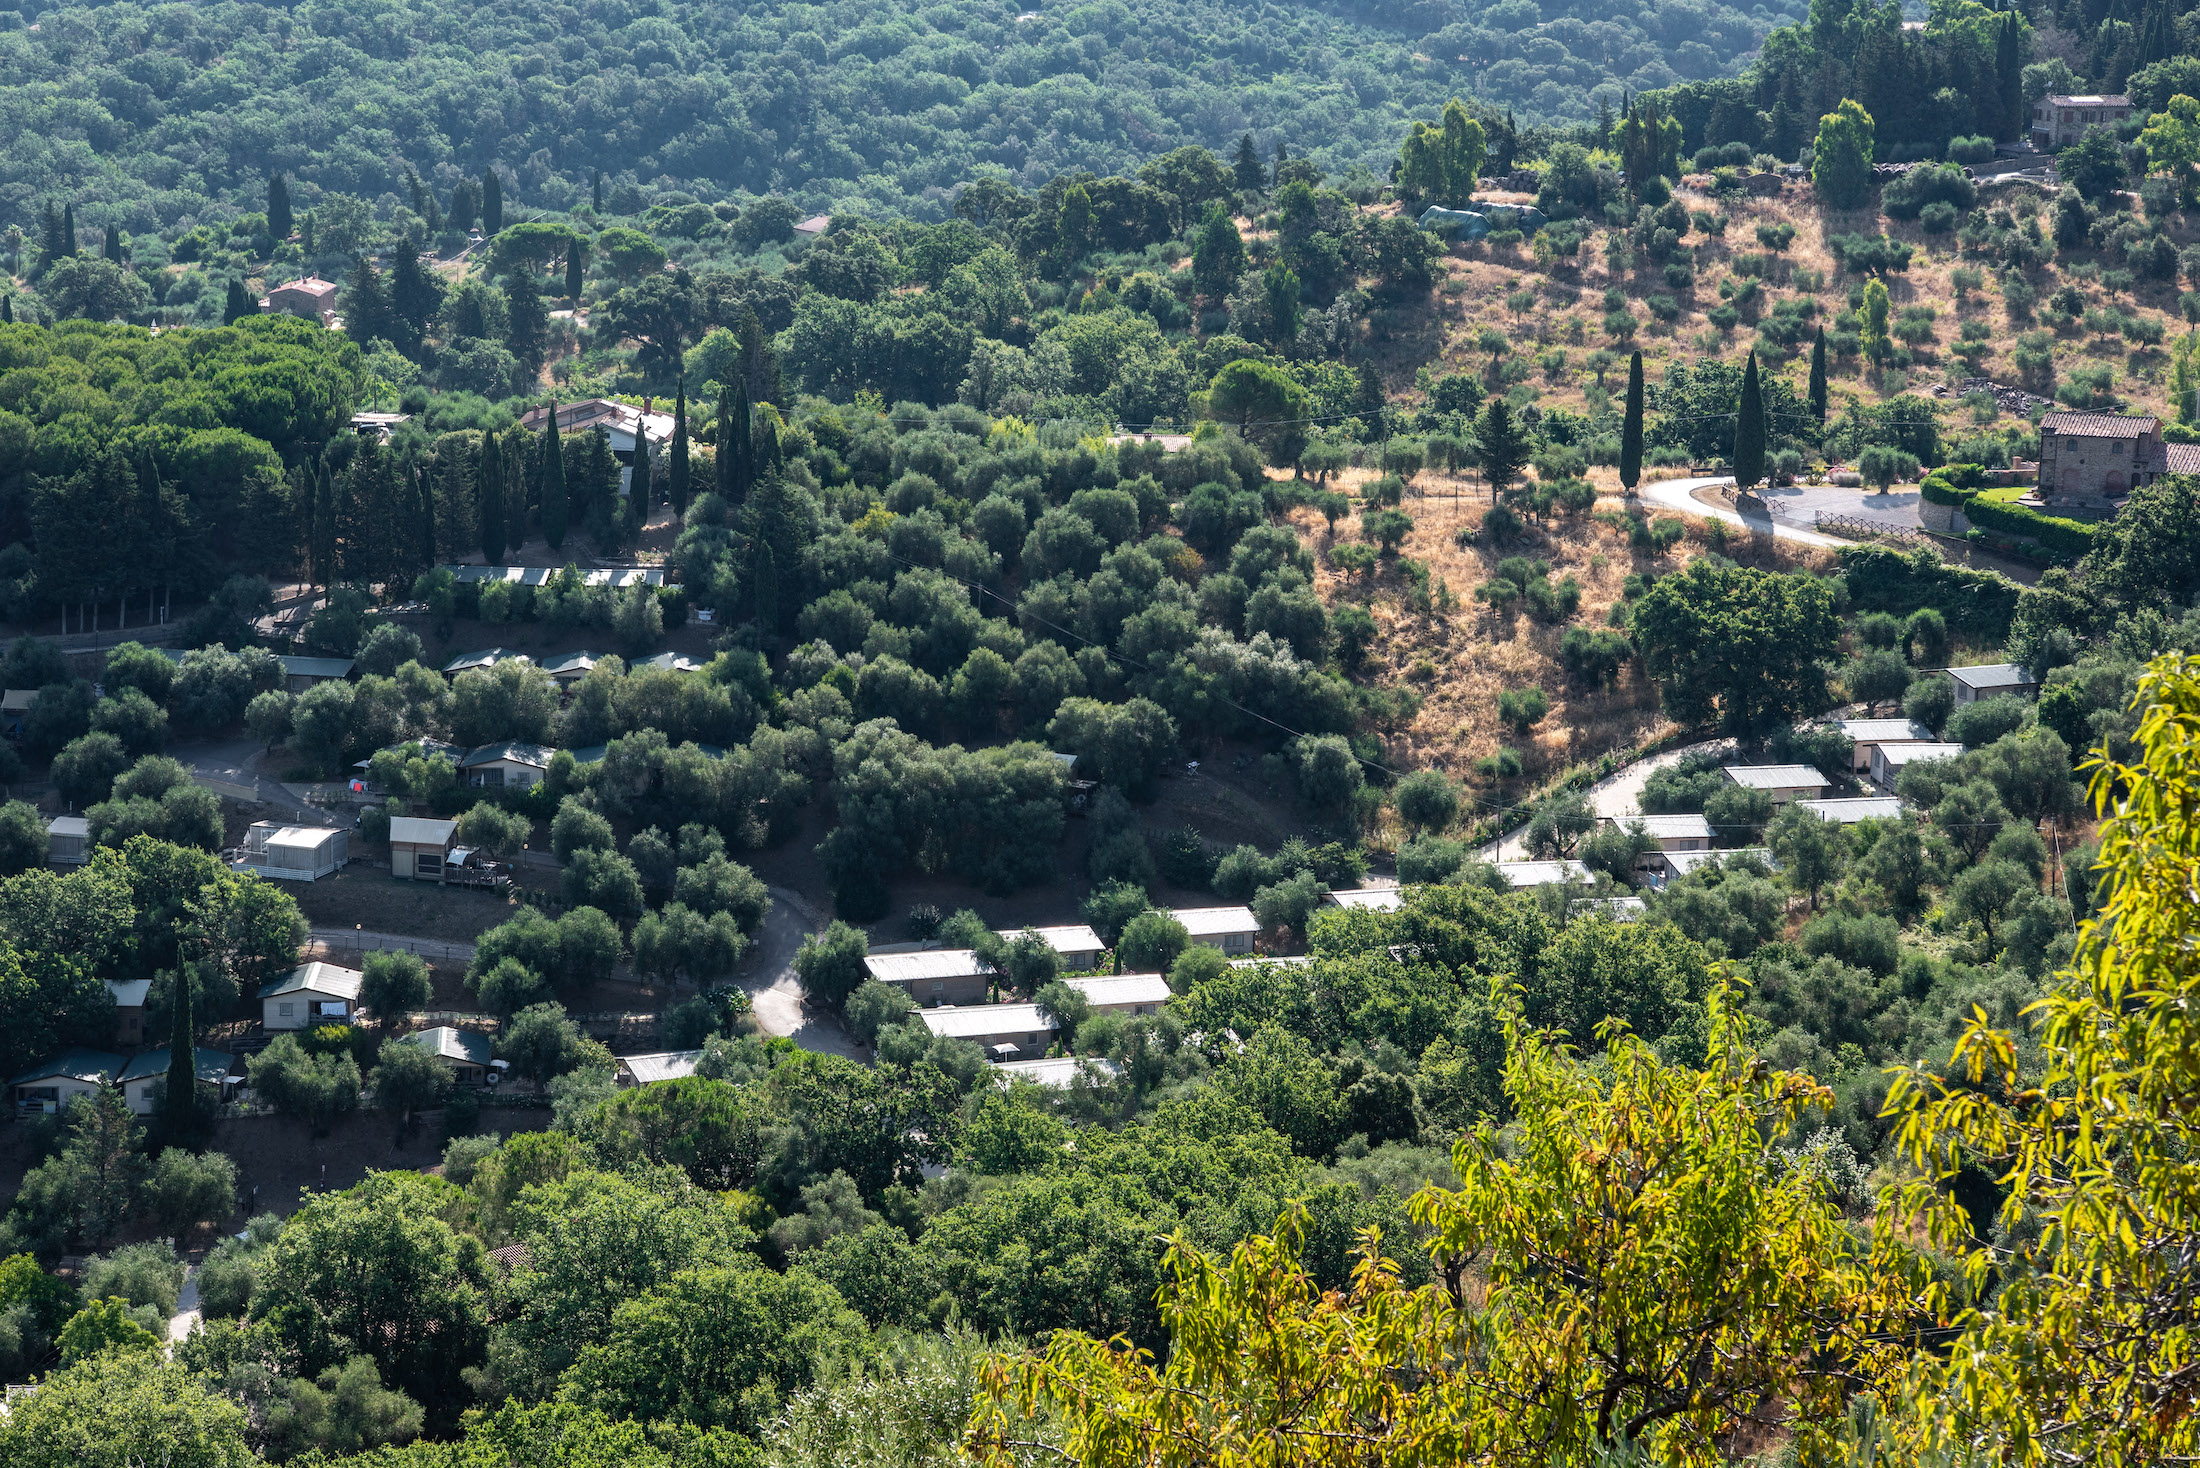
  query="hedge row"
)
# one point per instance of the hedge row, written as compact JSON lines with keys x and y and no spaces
{"x":1977,"y":604}
{"x":2068,"y":539}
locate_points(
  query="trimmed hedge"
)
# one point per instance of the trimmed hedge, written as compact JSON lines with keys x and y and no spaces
{"x":1977,"y":604}
{"x":2068,"y":539}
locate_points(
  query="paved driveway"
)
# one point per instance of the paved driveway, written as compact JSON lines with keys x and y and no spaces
{"x":1616,"y":795}
{"x":1800,"y":501}
{"x":1678,"y":495}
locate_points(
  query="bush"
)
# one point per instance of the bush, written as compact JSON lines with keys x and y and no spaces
{"x":2067,"y":540}
{"x":830,"y":964}
{"x":873,"y":1007}
{"x":1150,"y":943}
{"x":1976,"y":149}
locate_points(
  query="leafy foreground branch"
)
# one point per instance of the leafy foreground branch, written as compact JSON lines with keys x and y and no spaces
{"x":1639,"y":1265}
{"x":1639,"y":1271}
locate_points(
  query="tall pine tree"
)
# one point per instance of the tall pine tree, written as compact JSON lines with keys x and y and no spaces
{"x":676,"y":471}
{"x":489,"y":499}
{"x":736,"y":447}
{"x":424,"y":518}
{"x":527,"y":326}
{"x":1245,"y":169}
{"x":280,"y":220}
{"x":415,"y":297}
{"x":576,"y":266}
{"x":642,"y":474}
{"x":553,"y":482}
{"x":367,"y":311}
{"x":492,"y":202}
{"x":1630,"y":432}
{"x":180,"y":1106}
{"x":1749,"y":429}
{"x":1817,"y":390}
{"x":759,"y":363}
{"x":324,"y":525}
{"x":515,"y":486}
{"x":1283,"y":156}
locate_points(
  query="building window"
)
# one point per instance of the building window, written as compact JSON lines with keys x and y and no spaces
{"x":284,"y":1010}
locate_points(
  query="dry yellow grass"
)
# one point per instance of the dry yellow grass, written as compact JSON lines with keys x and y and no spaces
{"x":1568,"y":309}
{"x":1461,"y":661}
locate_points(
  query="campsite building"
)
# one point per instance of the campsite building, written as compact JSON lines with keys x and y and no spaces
{"x":313,"y":993}
{"x":420,"y":847}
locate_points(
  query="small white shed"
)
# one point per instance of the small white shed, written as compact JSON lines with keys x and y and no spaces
{"x":311,"y":994}
{"x":68,"y":841}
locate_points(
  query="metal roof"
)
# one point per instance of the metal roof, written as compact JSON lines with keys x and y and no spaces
{"x":1059,"y":1071}
{"x":661,"y":1065}
{"x":486,"y":657}
{"x":1775,"y":777}
{"x":446,"y":1042}
{"x":304,"y":838}
{"x":925,"y":964}
{"x":1541,"y":873}
{"x":1063,"y":938}
{"x":1863,"y":808}
{"x":1271,"y":960}
{"x":1122,"y":989}
{"x":421,"y":831}
{"x":1669,"y":828}
{"x":1680,"y":863}
{"x":572,"y":662}
{"x":1370,"y":899}
{"x":1883,"y":731}
{"x":1993,"y":675}
{"x":68,"y":826}
{"x":315,"y":977}
{"x":129,"y":993}
{"x":79,"y":1063}
{"x":1898,"y":755}
{"x":511,"y":751}
{"x":1214,"y":922}
{"x":210,"y":1065}
{"x":970,"y":1021}
{"x":295,"y":667}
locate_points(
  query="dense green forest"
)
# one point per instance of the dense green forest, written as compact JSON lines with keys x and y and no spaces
{"x":170,"y":115}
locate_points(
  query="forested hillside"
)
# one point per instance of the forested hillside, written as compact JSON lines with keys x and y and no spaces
{"x":163,"y":113}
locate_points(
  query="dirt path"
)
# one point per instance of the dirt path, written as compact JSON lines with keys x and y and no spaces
{"x":1612,"y":797}
{"x":776,"y":994}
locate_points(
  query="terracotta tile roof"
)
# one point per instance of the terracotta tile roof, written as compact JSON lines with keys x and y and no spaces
{"x":2184,"y":458}
{"x":2098,"y":425}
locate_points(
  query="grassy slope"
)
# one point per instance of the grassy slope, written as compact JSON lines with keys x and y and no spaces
{"x":1461,"y":662}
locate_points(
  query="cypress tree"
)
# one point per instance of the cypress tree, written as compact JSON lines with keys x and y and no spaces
{"x":765,"y":577}
{"x":1817,"y":390}
{"x":1630,"y":433}
{"x":676,"y":472}
{"x":415,"y":296}
{"x":68,"y":231}
{"x":1368,"y":401}
{"x":367,"y":310}
{"x":553,"y":482}
{"x":55,"y":243}
{"x":324,"y":526}
{"x":424,"y":509}
{"x":595,"y":191}
{"x":489,"y":498}
{"x":179,"y":1108}
{"x":642,"y":475}
{"x":111,"y":247}
{"x":7,"y":309}
{"x":515,"y":487}
{"x":1749,"y":429}
{"x":238,"y":305}
{"x":528,"y":320}
{"x":736,"y":444}
{"x":492,"y":202}
{"x":759,"y":363}
{"x":1283,"y":156}
{"x":576,"y":264}
{"x":280,"y":221}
